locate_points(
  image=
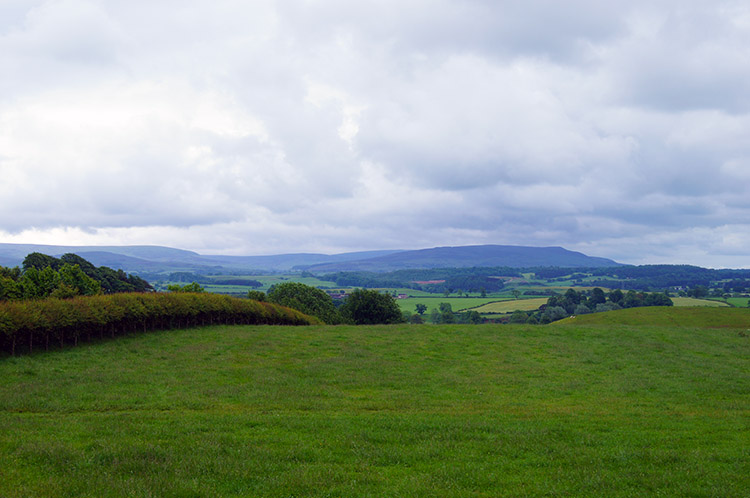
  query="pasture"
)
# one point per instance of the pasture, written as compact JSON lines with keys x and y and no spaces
{"x":691,"y":301}
{"x":614,"y":404}
{"x":457,"y":303}
{"x":512,"y":305}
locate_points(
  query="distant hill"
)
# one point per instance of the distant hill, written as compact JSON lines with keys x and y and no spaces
{"x":470,"y":256}
{"x":158,"y":259}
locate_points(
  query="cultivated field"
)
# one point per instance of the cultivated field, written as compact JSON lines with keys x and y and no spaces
{"x":457,"y":303}
{"x":690,"y":301}
{"x":512,"y":305}
{"x":585,"y":407}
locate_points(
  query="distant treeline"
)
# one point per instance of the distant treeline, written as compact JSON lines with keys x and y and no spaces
{"x":465,"y":279}
{"x":45,"y":276}
{"x":645,"y":277}
{"x":672,"y":276}
{"x":28,"y":325}
{"x":184,"y":276}
{"x":573,"y":302}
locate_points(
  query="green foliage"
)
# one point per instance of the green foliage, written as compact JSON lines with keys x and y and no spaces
{"x":580,"y":303}
{"x":421,"y":308}
{"x":71,"y":275}
{"x":307,"y":299}
{"x":368,"y":307}
{"x":256,"y":295}
{"x":519,"y":316}
{"x":30,"y":324}
{"x":191,"y":287}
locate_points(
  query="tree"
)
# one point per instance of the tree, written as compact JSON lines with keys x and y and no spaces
{"x":474,"y":317}
{"x":519,"y":316}
{"x":446,"y":313}
{"x":421,"y":308}
{"x":597,"y":297}
{"x":257,"y":295}
{"x":307,"y":299}
{"x":367,"y":307}
{"x":40,"y":261}
{"x":191,"y":287}
{"x":516,"y":293}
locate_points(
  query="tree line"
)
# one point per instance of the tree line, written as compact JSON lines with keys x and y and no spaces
{"x":361,"y":306}
{"x":26,"y":325}
{"x":43,"y":276}
{"x":574,"y":302}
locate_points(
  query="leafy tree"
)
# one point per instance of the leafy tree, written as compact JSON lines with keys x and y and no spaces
{"x":421,"y":308}
{"x":597,"y":297}
{"x":582,"y":309}
{"x":307,"y":299}
{"x":553,"y":313}
{"x":366,"y":307}
{"x":191,"y":287}
{"x":616,"y":296}
{"x":40,"y":261}
{"x":519,"y":316}
{"x":257,"y":295}
{"x":446,"y":313}
{"x":73,"y":277}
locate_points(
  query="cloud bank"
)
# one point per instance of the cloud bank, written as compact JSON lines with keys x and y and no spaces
{"x":327,"y":126}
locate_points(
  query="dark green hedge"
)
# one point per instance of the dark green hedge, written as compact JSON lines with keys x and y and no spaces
{"x":26,"y":325}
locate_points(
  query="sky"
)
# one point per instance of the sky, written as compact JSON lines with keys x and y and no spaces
{"x":620,"y":130}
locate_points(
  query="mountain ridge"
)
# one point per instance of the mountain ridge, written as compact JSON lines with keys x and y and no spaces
{"x":161,"y":259}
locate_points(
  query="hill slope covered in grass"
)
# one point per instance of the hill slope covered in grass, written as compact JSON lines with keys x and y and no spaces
{"x":571,"y":410}
{"x":699,"y":317}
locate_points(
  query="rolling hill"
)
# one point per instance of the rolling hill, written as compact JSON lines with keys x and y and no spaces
{"x":157,"y":259}
{"x":470,"y":256}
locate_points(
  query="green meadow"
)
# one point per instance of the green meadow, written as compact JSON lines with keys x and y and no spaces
{"x":433,"y":302}
{"x":691,"y":301}
{"x":640,"y":402}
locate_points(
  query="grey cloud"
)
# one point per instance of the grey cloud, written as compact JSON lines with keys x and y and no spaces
{"x":276,"y":126}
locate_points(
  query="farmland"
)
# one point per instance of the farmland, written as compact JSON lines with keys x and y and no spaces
{"x":615,"y":404}
{"x":689,"y":301}
{"x":512,"y":305}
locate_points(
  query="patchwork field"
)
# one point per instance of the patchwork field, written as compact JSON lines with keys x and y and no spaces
{"x":512,"y":305}
{"x":587,"y":407}
{"x":457,"y":303}
{"x":690,"y":301}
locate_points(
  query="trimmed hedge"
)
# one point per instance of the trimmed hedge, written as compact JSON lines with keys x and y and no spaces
{"x":26,"y":325}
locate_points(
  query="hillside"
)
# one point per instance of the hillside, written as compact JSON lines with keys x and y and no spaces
{"x":698,"y":317}
{"x":471,"y":256}
{"x":157,"y":259}
{"x":451,"y":411}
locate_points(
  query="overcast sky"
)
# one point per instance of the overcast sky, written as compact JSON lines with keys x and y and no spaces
{"x":621,"y":130}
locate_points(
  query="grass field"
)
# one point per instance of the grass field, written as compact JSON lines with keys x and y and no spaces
{"x":457,"y":303}
{"x":512,"y":305}
{"x":690,"y":301}
{"x":739,"y":302}
{"x":578,"y":408}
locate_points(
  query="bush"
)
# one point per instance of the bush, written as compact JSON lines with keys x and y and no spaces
{"x":367,"y":307}
{"x":304,"y":298}
{"x":63,"y":321}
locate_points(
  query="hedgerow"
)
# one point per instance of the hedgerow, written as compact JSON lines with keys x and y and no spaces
{"x":26,"y":325}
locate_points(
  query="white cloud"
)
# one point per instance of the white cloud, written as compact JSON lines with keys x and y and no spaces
{"x":271,"y":126}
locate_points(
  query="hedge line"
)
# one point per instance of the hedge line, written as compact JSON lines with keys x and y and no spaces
{"x":26,"y":325}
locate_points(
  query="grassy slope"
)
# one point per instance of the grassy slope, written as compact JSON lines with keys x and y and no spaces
{"x":513,"y":305}
{"x":690,"y":301}
{"x":698,"y":317}
{"x":584,"y":408}
{"x":433,"y":302}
